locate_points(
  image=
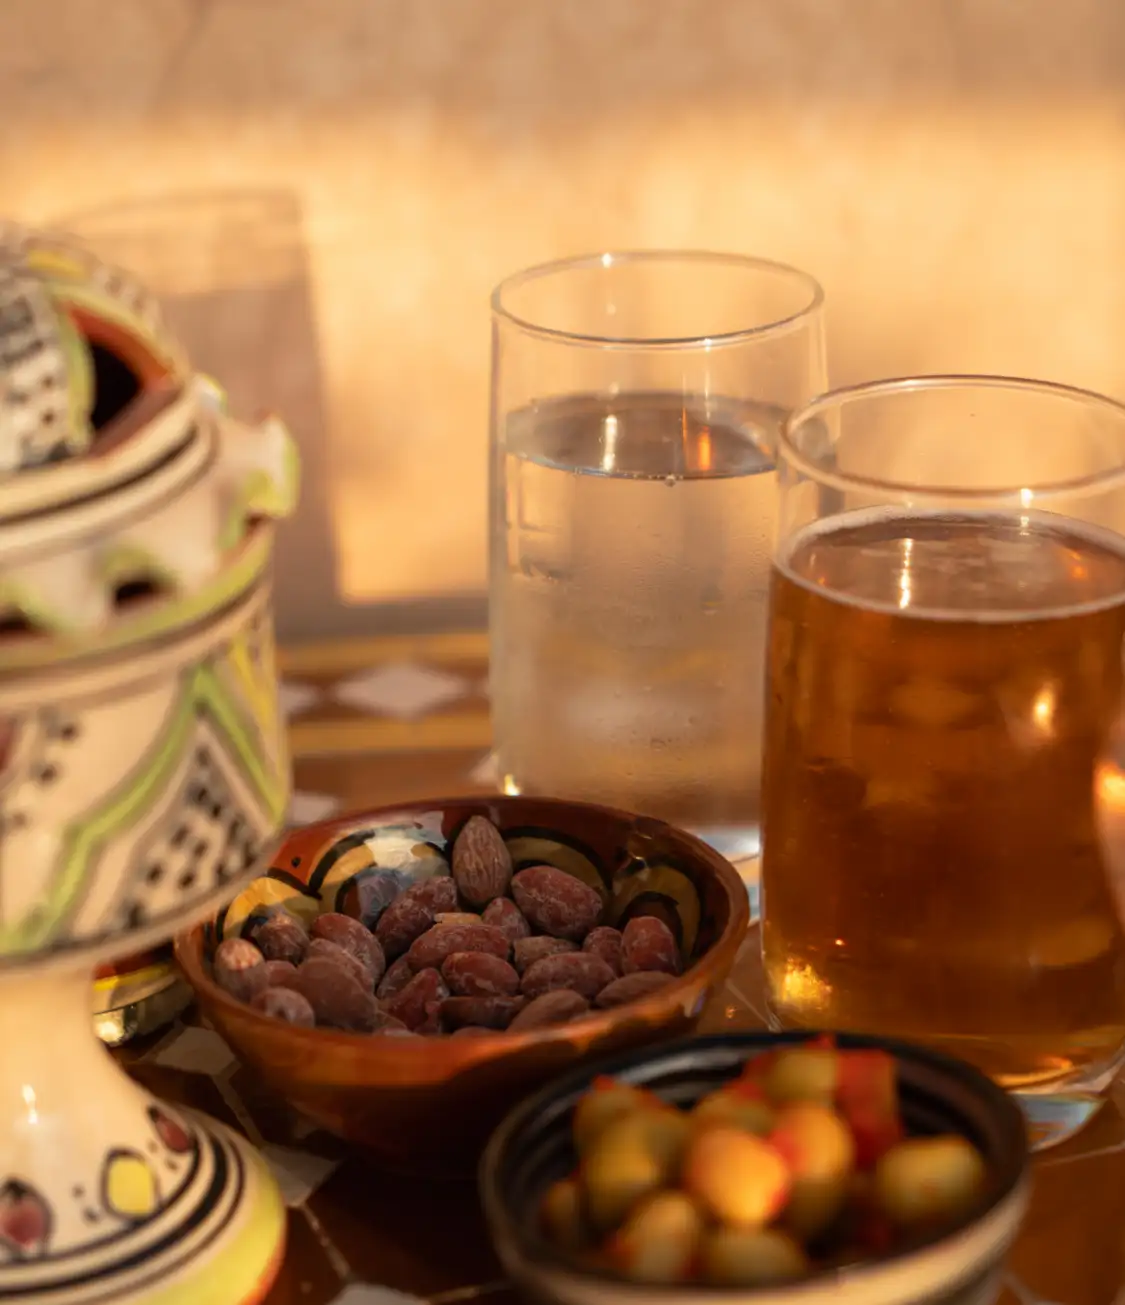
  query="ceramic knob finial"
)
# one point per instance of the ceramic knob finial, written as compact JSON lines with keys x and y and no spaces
{"x":121,"y":474}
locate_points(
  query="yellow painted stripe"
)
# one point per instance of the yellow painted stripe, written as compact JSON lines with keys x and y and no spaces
{"x":236,"y":1270}
{"x":145,"y":975}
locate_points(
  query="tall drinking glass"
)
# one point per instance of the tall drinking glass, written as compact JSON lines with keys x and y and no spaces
{"x":636,"y":402}
{"x":945,"y":667}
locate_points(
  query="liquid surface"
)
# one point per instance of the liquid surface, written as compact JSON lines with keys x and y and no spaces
{"x":631,"y":553}
{"x":941,"y":689}
{"x":977,"y":568}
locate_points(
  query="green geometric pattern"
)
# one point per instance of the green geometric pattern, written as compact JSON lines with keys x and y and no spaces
{"x":136,"y":795}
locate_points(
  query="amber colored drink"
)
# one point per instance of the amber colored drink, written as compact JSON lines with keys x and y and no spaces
{"x":940,"y":689}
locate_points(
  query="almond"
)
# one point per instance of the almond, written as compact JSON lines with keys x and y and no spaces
{"x":554,"y":1007}
{"x":629,"y":987}
{"x":482,"y":864}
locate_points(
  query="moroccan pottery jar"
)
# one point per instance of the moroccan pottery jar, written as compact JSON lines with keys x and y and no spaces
{"x":143,"y":773}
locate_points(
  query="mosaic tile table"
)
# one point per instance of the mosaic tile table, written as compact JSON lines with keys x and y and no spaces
{"x":392,"y":719}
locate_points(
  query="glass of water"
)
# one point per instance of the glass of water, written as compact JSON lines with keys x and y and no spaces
{"x":636,"y":401}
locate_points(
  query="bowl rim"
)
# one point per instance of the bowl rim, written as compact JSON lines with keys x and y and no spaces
{"x":188,"y":945}
{"x":1012,"y":1183}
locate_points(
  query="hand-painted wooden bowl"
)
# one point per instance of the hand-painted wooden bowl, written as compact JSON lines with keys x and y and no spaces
{"x":963,"y":1266}
{"x":429,"y":1104}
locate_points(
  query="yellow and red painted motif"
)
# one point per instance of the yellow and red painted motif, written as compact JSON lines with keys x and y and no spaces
{"x":178,"y":1176}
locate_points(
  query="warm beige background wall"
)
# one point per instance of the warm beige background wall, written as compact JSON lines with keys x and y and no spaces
{"x":953,"y":170}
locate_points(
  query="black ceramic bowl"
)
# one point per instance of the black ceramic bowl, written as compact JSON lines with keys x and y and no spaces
{"x":532,"y":1148}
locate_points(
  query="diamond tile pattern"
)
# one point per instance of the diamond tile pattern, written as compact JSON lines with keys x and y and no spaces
{"x":298,"y":1173}
{"x":296,"y":698}
{"x":404,"y":691}
{"x":308,"y":808}
{"x":195,"y":1051}
{"x":360,"y":1237}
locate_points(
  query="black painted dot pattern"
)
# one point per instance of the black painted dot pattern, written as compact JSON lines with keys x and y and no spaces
{"x":45,"y":769}
{"x":206,"y":841}
{"x":30,"y":353}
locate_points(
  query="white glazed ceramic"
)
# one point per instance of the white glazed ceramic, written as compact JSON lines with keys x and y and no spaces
{"x":143,"y":774}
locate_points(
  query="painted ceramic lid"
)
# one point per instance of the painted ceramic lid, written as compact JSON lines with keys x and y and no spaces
{"x":121,"y":476}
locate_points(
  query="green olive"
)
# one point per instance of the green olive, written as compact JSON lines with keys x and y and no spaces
{"x":658,"y":1241}
{"x":630,"y":1158}
{"x":818,"y":1147}
{"x":929,"y":1180}
{"x":737,"y":1257}
{"x":803,"y":1074}
{"x":738,"y":1178}
{"x":604,"y":1103}
{"x":726,"y":1107}
{"x":564,"y":1221}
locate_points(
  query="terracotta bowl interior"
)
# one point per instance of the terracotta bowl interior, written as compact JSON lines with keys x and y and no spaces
{"x":440,"y":1097}
{"x":532,"y":1148}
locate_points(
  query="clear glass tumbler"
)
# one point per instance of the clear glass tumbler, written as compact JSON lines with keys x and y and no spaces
{"x":636,"y":402}
{"x":945,"y":668}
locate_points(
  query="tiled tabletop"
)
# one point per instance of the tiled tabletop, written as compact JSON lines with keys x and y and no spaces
{"x":389,"y":720}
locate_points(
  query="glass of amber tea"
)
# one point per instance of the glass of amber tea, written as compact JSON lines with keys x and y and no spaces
{"x":945,"y":678}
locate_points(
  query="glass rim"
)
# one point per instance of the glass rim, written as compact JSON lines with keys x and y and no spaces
{"x":612,"y":257}
{"x":1016,"y":494}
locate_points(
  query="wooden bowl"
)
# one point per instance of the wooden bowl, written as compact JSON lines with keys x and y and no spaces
{"x":428,"y":1105}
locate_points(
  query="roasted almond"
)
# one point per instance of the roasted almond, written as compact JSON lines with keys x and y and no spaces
{"x":482,"y":864}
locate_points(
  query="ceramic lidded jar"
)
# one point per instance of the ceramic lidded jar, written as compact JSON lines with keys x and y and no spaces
{"x":143,"y":772}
